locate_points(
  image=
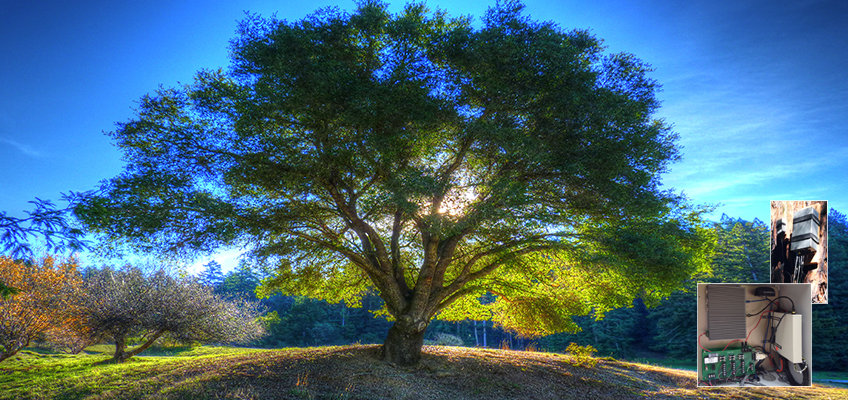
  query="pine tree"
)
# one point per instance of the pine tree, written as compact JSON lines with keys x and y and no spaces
{"x":211,"y":275}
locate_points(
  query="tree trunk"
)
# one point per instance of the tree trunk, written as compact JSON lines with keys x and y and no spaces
{"x":9,"y":350}
{"x":122,"y":355}
{"x":120,"y":348}
{"x":404,"y":341}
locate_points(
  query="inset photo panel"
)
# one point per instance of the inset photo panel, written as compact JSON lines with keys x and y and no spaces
{"x":799,"y":245}
{"x":754,"y":334}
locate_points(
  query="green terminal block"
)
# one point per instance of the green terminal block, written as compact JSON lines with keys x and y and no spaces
{"x":723,"y":364}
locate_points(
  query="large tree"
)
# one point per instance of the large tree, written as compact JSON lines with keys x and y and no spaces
{"x":420,"y":156}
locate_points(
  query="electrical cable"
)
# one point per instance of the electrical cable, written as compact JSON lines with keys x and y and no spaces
{"x":773,"y":340}
{"x":728,"y":345}
{"x":772,"y":302}
{"x":765,"y":336}
{"x":699,"y":341}
{"x":746,"y":338}
{"x":791,"y":379}
{"x":755,"y":326}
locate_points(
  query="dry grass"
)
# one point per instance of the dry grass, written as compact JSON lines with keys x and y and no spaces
{"x":354,"y":372}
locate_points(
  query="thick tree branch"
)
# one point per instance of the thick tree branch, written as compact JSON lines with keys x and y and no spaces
{"x":397,"y":264}
{"x":147,"y":344}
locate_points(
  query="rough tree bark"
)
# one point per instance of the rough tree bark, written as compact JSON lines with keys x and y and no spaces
{"x":404,"y":341}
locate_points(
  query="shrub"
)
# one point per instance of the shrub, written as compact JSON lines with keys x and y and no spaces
{"x":582,"y":356}
{"x":445,"y":339}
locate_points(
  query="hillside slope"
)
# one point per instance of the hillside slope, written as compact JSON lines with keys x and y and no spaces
{"x":353,"y":372}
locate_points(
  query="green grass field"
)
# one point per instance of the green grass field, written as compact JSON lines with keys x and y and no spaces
{"x":354,"y":372}
{"x":38,"y":374}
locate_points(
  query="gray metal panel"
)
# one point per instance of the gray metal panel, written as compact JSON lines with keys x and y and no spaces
{"x":725,"y":312}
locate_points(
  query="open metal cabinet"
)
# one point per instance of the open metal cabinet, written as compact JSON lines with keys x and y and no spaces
{"x":754,"y":334}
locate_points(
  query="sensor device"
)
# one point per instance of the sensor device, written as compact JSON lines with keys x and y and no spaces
{"x":805,"y":231}
{"x":788,"y":335}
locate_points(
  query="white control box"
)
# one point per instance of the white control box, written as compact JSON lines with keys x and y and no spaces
{"x":788,"y":335}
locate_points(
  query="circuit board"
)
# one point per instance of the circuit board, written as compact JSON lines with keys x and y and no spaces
{"x":723,"y":364}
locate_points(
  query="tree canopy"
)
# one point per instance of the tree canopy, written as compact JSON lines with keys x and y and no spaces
{"x":415,"y":154}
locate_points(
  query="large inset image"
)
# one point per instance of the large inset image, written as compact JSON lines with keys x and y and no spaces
{"x":754,"y":335}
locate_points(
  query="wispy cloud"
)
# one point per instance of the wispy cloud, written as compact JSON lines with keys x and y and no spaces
{"x":24,"y":148}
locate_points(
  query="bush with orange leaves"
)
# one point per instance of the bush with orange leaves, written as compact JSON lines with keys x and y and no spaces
{"x":44,"y":302}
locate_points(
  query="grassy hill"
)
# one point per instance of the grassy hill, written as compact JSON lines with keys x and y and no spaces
{"x":353,"y":372}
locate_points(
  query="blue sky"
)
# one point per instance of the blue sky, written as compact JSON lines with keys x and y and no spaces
{"x":758,"y":91}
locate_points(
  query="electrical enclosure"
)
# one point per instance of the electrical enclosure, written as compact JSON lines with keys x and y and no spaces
{"x":773,"y":336}
{"x":805,"y":230}
{"x":788,"y":335}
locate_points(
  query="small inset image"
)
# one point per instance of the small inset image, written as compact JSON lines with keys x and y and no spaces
{"x":799,"y":245}
{"x":754,"y":335}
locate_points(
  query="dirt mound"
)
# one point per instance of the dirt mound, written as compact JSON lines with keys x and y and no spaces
{"x":354,"y":372}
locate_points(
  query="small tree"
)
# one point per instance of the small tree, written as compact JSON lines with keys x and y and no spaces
{"x":128,"y":302}
{"x":46,"y":292}
{"x":70,"y":337}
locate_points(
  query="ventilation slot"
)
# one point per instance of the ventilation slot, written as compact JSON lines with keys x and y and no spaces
{"x":725,"y":312}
